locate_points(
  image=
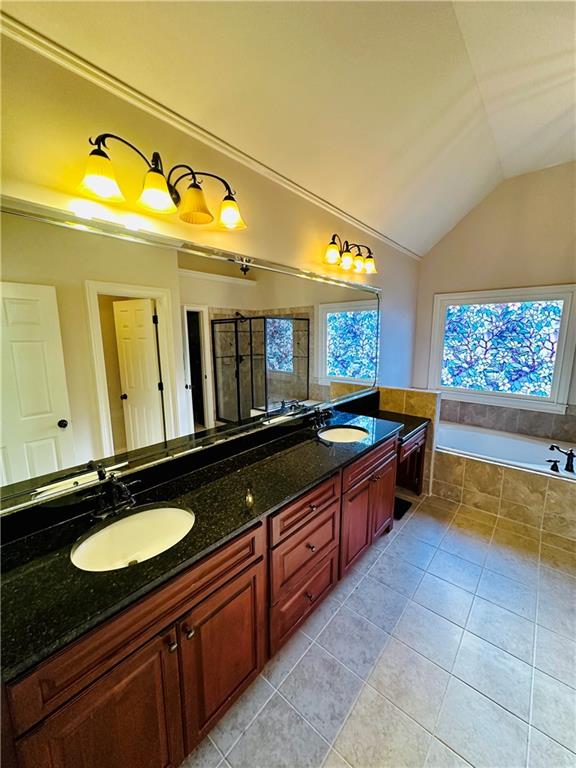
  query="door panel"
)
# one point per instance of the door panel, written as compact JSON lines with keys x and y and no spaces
{"x":139,"y":372}
{"x":34,"y":389}
{"x":356,"y":524}
{"x":382,"y":502}
{"x":131,"y":718}
{"x":222,"y":647}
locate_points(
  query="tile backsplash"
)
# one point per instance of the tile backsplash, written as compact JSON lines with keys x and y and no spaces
{"x":554,"y":426}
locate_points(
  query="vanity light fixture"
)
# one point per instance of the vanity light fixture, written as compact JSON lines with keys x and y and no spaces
{"x":350,"y":256}
{"x":159,"y":193}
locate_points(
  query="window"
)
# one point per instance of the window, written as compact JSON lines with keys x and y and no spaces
{"x":513,"y":345}
{"x":349,"y":341}
{"x":280,"y":345}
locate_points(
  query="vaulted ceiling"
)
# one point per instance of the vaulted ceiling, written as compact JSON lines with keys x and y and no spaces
{"x":403,"y":114}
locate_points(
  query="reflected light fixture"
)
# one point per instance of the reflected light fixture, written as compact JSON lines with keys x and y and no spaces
{"x":159,"y":192}
{"x":350,"y":256}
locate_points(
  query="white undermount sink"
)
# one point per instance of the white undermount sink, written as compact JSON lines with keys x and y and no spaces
{"x":136,"y":537}
{"x":343,"y":434}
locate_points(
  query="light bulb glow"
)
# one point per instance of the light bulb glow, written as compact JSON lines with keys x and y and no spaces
{"x":99,"y":179}
{"x":347,"y":260}
{"x":193,"y":209}
{"x":370,"y":265}
{"x":358,"y":264}
{"x":230,"y":217}
{"x":332,"y":255}
{"x":155,"y":195}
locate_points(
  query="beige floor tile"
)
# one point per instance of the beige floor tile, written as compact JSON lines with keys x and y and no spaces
{"x":410,"y":681}
{"x":450,"y":601}
{"x":347,"y":585}
{"x":354,"y":641}
{"x":559,"y":559}
{"x":229,"y":729}
{"x":471,"y":513}
{"x":379,"y":735}
{"x":502,"y":628}
{"x":204,"y":756}
{"x":482,"y":732}
{"x":429,"y":634}
{"x":454,"y":569}
{"x":556,"y":655}
{"x":495,"y":673}
{"x":543,"y":752}
{"x":554,"y":709}
{"x":412,"y":550}
{"x":282,"y":662}
{"x":278,"y":738}
{"x":438,"y":503}
{"x":557,"y":603}
{"x":322,"y":690}
{"x":440,"y":756}
{"x":367,"y":560}
{"x":510,"y":594}
{"x":514,"y":556}
{"x":377,"y":603}
{"x":397,"y":574}
{"x":333,"y":760}
{"x":321,"y":616}
{"x":467,"y":544}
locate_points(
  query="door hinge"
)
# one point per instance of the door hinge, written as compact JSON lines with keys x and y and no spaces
{"x":155,"y":319}
{"x":161,"y":386}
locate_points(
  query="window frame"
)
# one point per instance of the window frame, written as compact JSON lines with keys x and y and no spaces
{"x":343,"y":306}
{"x":557,"y":401}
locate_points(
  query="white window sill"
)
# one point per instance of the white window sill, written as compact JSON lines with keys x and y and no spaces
{"x":504,"y":401}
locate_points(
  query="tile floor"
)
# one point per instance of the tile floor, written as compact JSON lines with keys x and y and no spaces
{"x":449,"y":645}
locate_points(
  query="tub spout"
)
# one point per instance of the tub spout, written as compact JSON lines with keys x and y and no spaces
{"x":569,"y":457}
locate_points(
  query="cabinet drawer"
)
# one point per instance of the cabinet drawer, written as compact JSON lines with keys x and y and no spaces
{"x":412,"y":445}
{"x":364,"y":467}
{"x":62,"y":676}
{"x":298,"y":553}
{"x":297,"y":514}
{"x":287,"y":615}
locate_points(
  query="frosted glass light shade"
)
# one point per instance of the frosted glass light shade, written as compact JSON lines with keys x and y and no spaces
{"x":99,"y":179}
{"x":155,"y":195}
{"x":193,"y":209}
{"x":347,"y":260}
{"x":230,"y":217}
{"x":332,"y":255}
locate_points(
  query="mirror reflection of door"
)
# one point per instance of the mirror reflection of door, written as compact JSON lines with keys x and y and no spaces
{"x":36,"y":434}
{"x":196,"y":374}
{"x":133,"y":371}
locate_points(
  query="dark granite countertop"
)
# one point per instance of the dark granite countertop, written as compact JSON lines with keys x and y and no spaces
{"x":410,"y":424}
{"x":47,"y":602}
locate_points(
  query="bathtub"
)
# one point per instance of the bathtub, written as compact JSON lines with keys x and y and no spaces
{"x":501,"y":447}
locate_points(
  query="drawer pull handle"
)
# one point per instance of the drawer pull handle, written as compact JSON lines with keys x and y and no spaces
{"x":313,"y":507}
{"x":189,"y":632}
{"x":310,"y":596}
{"x":172,"y":645}
{"x":311,"y":547}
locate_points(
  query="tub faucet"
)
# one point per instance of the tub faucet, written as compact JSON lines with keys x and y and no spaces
{"x":569,"y":457}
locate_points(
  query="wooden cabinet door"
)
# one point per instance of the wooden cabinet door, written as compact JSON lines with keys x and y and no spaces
{"x":356,"y":533}
{"x":382,"y":493}
{"x":131,"y":718}
{"x":222,"y":649}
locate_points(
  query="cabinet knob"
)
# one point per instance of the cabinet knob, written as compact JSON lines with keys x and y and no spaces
{"x":311,"y":547}
{"x":172,"y":644}
{"x":310,"y":596}
{"x":313,"y":507}
{"x":189,"y":631}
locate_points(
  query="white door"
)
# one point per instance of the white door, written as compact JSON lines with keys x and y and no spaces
{"x":139,"y":372}
{"x":34,"y":391}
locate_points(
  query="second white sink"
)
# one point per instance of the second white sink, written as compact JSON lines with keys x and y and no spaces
{"x":132,"y":539}
{"x":343,"y":434}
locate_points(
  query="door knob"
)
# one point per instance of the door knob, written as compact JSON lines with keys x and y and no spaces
{"x":123,"y":396}
{"x":62,"y":423}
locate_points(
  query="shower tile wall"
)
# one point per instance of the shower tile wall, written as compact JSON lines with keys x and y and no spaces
{"x":554,"y":426}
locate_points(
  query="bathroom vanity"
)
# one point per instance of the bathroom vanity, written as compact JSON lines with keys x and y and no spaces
{"x":133,"y":667}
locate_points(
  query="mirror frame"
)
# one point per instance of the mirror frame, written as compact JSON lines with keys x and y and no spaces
{"x":25,"y":493}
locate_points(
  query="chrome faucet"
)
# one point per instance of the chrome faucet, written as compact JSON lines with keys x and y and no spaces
{"x":569,"y":457}
{"x":115,"y":496}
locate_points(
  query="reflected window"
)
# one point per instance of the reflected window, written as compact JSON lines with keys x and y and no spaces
{"x":349,"y":341}
{"x":280,"y":344}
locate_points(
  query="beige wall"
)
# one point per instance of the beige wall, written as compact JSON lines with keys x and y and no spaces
{"x":112,"y":364}
{"x":522,"y":234}
{"x":46,"y":144}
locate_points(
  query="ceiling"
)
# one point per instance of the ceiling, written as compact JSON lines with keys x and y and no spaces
{"x":403,"y":114}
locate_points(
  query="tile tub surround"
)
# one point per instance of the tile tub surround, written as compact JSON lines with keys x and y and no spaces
{"x":533,"y":505}
{"x":555,"y":426}
{"x":480,"y":675}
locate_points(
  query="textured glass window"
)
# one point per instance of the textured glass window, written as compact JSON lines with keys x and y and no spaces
{"x":351,"y":339}
{"x":280,"y":344}
{"x":509,"y":347}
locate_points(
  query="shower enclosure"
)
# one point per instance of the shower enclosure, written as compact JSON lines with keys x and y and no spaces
{"x":258,"y":363}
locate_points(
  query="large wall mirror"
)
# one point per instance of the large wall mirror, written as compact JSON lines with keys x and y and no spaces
{"x":114,"y":345}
